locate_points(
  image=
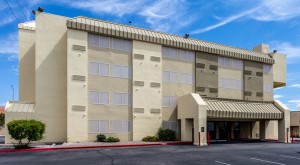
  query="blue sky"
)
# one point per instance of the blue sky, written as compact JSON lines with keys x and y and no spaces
{"x":238,"y":23}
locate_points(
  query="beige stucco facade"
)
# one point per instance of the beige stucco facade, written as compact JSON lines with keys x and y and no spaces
{"x":83,"y":77}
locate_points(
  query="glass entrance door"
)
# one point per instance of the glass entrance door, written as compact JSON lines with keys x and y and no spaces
{"x":223,"y":130}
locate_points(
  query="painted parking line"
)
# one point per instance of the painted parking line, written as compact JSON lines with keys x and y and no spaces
{"x":222,"y":162}
{"x":267,"y":161}
{"x":290,"y":157}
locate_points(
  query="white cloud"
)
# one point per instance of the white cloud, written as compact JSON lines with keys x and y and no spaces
{"x":276,"y":10}
{"x":277,"y":96}
{"x":294,"y":101}
{"x":9,"y":44}
{"x":114,"y":7}
{"x":224,"y":21}
{"x":278,"y":88}
{"x":6,"y":20}
{"x":162,"y":15}
{"x":265,"y":10}
{"x":295,"y":86}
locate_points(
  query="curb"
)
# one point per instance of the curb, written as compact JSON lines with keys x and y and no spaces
{"x":86,"y":147}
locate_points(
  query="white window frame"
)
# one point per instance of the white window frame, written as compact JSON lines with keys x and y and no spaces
{"x":185,"y":77}
{"x":124,"y":103}
{"x":169,"y":125}
{"x":166,"y":52}
{"x":268,"y":69}
{"x":268,"y":87}
{"x":122,"y":45}
{"x":129,"y":130}
{"x":230,"y":83}
{"x":230,"y":62}
{"x":99,"y":96}
{"x":99,"y":69}
{"x":99,"y":37}
{"x":190,"y":55}
{"x":170,"y":100}
{"x":123,"y":71}
{"x":168,"y":79}
{"x":89,"y":130}
{"x":100,"y":131}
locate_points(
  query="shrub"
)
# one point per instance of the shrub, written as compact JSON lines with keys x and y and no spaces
{"x":101,"y":138}
{"x":2,"y":120}
{"x":166,"y":135}
{"x":31,"y":130}
{"x":150,"y":139}
{"x":112,"y":139}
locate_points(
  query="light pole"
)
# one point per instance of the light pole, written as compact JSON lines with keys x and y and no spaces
{"x":13,"y":92}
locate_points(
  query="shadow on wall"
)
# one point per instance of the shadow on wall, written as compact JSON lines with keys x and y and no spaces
{"x":51,"y":84}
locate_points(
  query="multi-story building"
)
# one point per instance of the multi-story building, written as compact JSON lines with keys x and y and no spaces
{"x":83,"y":76}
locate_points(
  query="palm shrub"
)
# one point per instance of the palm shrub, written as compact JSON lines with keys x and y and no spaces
{"x":166,"y":135}
{"x":112,"y":139}
{"x":31,"y":130}
{"x":150,"y":139}
{"x":101,"y":138}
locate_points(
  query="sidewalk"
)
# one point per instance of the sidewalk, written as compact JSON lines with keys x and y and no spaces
{"x":64,"y":146}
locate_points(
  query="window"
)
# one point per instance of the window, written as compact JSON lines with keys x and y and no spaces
{"x":169,"y":101}
{"x":93,"y":39}
{"x":96,"y":97}
{"x":230,"y":83}
{"x":170,"y":76}
{"x":94,"y":126}
{"x":121,"y":44}
{"x":121,"y":126}
{"x":121,"y":71}
{"x":268,"y":69}
{"x":172,"y":125}
{"x":268,"y":87}
{"x":187,"y":55}
{"x":98,"y":69}
{"x":230,"y":62}
{"x":98,"y":41}
{"x":104,"y":42}
{"x":186,"y":78}
{"x":169,"y":52}
{"x":104,"y":126}
{"x":98,"y":126}
{"x":122,"y":99}
{"x":94,"y":68}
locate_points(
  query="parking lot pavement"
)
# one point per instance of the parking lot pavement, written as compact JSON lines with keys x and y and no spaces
{"x":218,"y":154}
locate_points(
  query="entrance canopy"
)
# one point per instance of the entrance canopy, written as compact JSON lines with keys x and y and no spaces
{"x":221,"y":108}
{"x":19,"y":107}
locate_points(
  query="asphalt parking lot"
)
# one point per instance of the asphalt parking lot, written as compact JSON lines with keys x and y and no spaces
{"x":226,"y":154}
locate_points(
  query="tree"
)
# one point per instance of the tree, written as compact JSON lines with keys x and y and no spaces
{"x":31,"y":130}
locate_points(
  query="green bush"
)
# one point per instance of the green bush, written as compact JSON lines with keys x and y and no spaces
{"x":166,"y":135}
{"x":31,"y":130}
{"x":112,"y":139}
{"x":2,"y":120}
{"x":150,"y":139}
{"x":101,"y":138}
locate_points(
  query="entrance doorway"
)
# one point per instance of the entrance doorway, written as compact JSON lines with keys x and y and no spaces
{"x":223,"y":130}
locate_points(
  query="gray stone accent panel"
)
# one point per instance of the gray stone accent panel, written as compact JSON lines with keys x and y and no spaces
{"x":206,"y":74}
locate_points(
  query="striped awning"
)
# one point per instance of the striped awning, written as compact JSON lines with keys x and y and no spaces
{"x":19,"y":107}
{"x":135,"y":33}
{"x":219,"y":108}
